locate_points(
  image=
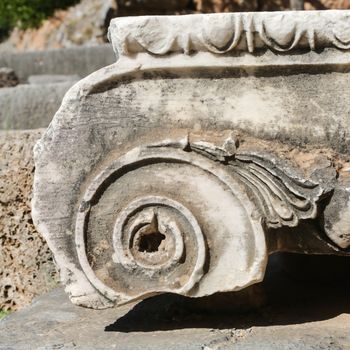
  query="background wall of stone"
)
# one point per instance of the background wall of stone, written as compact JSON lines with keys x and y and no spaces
{"x":26,"y":266}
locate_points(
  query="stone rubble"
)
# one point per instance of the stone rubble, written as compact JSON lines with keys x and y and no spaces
{"x":8,"y":77}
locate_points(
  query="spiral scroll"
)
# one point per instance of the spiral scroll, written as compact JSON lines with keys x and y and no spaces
{"x":161,"y":219}
{"x":185,"y":217}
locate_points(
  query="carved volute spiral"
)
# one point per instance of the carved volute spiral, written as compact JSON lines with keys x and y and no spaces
{"x":162,"y":219}
{"x":184,"y":217}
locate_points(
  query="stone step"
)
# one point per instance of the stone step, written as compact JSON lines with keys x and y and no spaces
{"x":31,"y":106}
{"x":68,"y":61}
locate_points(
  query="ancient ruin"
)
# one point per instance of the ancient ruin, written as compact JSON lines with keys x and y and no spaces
{"x":213,"y":141}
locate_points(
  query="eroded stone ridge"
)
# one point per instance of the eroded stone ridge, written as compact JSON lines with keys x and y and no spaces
{"x":224,"y":32}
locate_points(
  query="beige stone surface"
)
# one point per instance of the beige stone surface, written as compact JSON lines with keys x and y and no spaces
{"x":26,"y":265}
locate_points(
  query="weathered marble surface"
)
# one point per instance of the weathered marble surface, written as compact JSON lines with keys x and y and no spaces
{"x":180,"y":168}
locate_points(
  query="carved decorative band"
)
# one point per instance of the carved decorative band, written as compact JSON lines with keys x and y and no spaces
{"x":225,"y":32}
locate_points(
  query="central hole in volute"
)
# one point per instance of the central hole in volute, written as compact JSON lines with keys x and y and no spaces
{"x":150,"y":242}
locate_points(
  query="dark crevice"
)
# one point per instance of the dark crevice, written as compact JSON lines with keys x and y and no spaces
{"x":150,"y":242}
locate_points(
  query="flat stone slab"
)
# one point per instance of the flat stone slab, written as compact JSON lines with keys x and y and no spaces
{"x":308,"y":313}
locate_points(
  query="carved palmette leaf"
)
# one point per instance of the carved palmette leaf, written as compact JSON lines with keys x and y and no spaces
{"x":283,"y":199}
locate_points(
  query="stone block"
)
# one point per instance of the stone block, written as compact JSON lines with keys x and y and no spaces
{"x":31,"y":106}
{"x":81,"y":60}
{"x":213,"y":141}
{"x":51,"y":79}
